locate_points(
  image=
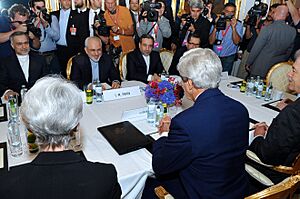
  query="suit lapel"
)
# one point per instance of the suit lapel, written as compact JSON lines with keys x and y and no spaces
{"x":142,"y":60}
{"x":88,"y":67}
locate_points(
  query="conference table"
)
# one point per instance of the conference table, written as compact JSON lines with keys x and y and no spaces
{"x":133,"y":168}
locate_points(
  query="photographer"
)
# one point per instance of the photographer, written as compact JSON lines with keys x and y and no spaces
{"x":251,"y":33}
{"x":274,"y":44}
{"x":17,"y":21}
{"x":121,"y":31}
{"x":49,"y":33}
{"x":226,"y":35}
{"x":158,"y":27}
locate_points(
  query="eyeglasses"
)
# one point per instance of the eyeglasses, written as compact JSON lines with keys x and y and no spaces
{"x":193,"y":44}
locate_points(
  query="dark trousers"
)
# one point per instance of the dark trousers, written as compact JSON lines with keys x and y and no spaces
{"x":227,"y":63}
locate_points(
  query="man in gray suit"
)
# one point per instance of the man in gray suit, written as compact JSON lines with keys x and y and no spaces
{"x":274,"y":44}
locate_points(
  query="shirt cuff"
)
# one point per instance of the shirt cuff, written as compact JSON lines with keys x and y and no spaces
{"x":149,"y":78}
{"x":164,"y":134}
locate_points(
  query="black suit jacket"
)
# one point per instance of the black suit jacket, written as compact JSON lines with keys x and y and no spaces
{"x":12,"y":76}
{"x":135,"y":34}
{"x":81,"y":72}
{"x":75,"y":19}
{"x":178,"y":54}
{"x":281,"y":145}
{"x":58,"y":175}
{"x":137,"y":68}
{"x":202,"y":28}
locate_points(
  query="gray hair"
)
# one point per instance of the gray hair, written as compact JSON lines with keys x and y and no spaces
{"x":202,"y":66}
{"x":86,"y":41}
{"x":297,"y":54}
{"x":196,"y":4}
{"x":18,"y":8}
{"x":18,"y":33}
{"x":51,"y":110}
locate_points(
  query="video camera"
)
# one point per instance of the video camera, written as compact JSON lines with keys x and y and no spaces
{"x":152,"y":14}
{"x":221,"y":23}
{"x":45,"y":14}
{"x":205,"y":9}
{"x":258,"y":10}
{"x":31,"y":28}
{"x":189,"y":21}
{"x":103,"y":29}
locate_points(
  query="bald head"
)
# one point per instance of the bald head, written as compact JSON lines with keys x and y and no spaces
{"x":281,"y":12}
{"x":93,"y":48}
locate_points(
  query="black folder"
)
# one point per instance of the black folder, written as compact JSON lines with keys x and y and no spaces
{"x":124,"y":137}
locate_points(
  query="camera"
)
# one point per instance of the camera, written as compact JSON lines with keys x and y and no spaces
{"x":45,"y":14}
{"x":205,"y":9}
{"x":103,"y":29}
{"x":189,"y":22}
{"x":258,"y":10}
{"x":221,"y":23}
{"x":152,"y":14}
{"x":31,"y":28}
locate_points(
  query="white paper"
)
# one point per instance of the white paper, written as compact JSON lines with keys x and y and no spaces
{"x":1,"y":158}
{"x":135,"y":114}
{"x":121,"y":93}
{"x":224,"y":75}
{"x":144,"y":126}
{"x":2,"y":111}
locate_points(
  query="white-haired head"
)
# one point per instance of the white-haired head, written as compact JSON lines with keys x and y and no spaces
{"x":202,"y":66}
{"x":52,"y":109}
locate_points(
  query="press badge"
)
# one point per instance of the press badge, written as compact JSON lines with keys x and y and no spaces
{"x":116,"y":38}
{"x":156,"y":44}
{"x":219,"y":48}
{"x":73,"y":30}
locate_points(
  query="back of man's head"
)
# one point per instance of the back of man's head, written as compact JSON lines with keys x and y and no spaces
{"x":281,"y":12}
{"x":17,"y":8}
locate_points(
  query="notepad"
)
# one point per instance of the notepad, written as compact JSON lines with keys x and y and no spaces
{"x":124,"y":137}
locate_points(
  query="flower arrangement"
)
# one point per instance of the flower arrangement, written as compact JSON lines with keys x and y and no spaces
{"x":166,"y":91}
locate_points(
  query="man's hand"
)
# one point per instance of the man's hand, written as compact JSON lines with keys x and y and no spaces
{"x":155,"y":77}
{"x":44,"y":22}
{"x":192,"y":28}
{"x":115,"y":29}
{"x":247,"y":67}
{"x":233,"y":22}
{"x":260,"y":129}
{"x":164,"y":124}
{"x":173,"y":47}
{"x":21,"y":28}
{"x":283,"y":103}
{"x":115,"y":85}
{"x":8,"y":93}
{"x":144,"y":15}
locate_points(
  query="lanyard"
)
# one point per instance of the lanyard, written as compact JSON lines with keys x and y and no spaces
{"x":226,"y":31}
{"x":117,"y":16}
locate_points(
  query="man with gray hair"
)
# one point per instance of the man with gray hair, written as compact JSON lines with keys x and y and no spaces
{"x":206,"y":144}
{"x":199,"y":24}
{"x":94,"y":65}
{"x":15,"y":22}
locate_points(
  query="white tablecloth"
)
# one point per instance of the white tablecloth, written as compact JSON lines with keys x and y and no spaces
{"x":133,"y":168}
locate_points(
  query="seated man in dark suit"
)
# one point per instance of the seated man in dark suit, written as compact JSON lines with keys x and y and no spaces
{"x":21,"y":68}
{"x":193,"y":41}
{"x":144,"y":64}
{"x":278,"y":144}
{"x":206,"y":144}
{"x":94,"y":65}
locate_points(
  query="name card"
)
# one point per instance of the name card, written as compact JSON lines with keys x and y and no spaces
{"x":224,"y":75}
{"x":121,"y":93}
{"x":135,"y":114}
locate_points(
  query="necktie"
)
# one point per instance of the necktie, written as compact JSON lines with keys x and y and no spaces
{"x":95,"y":19}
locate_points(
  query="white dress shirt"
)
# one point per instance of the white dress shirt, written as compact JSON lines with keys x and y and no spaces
{"x":91,"y":20}
{"x":63,"y":25}
{"x":24,"y":62}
